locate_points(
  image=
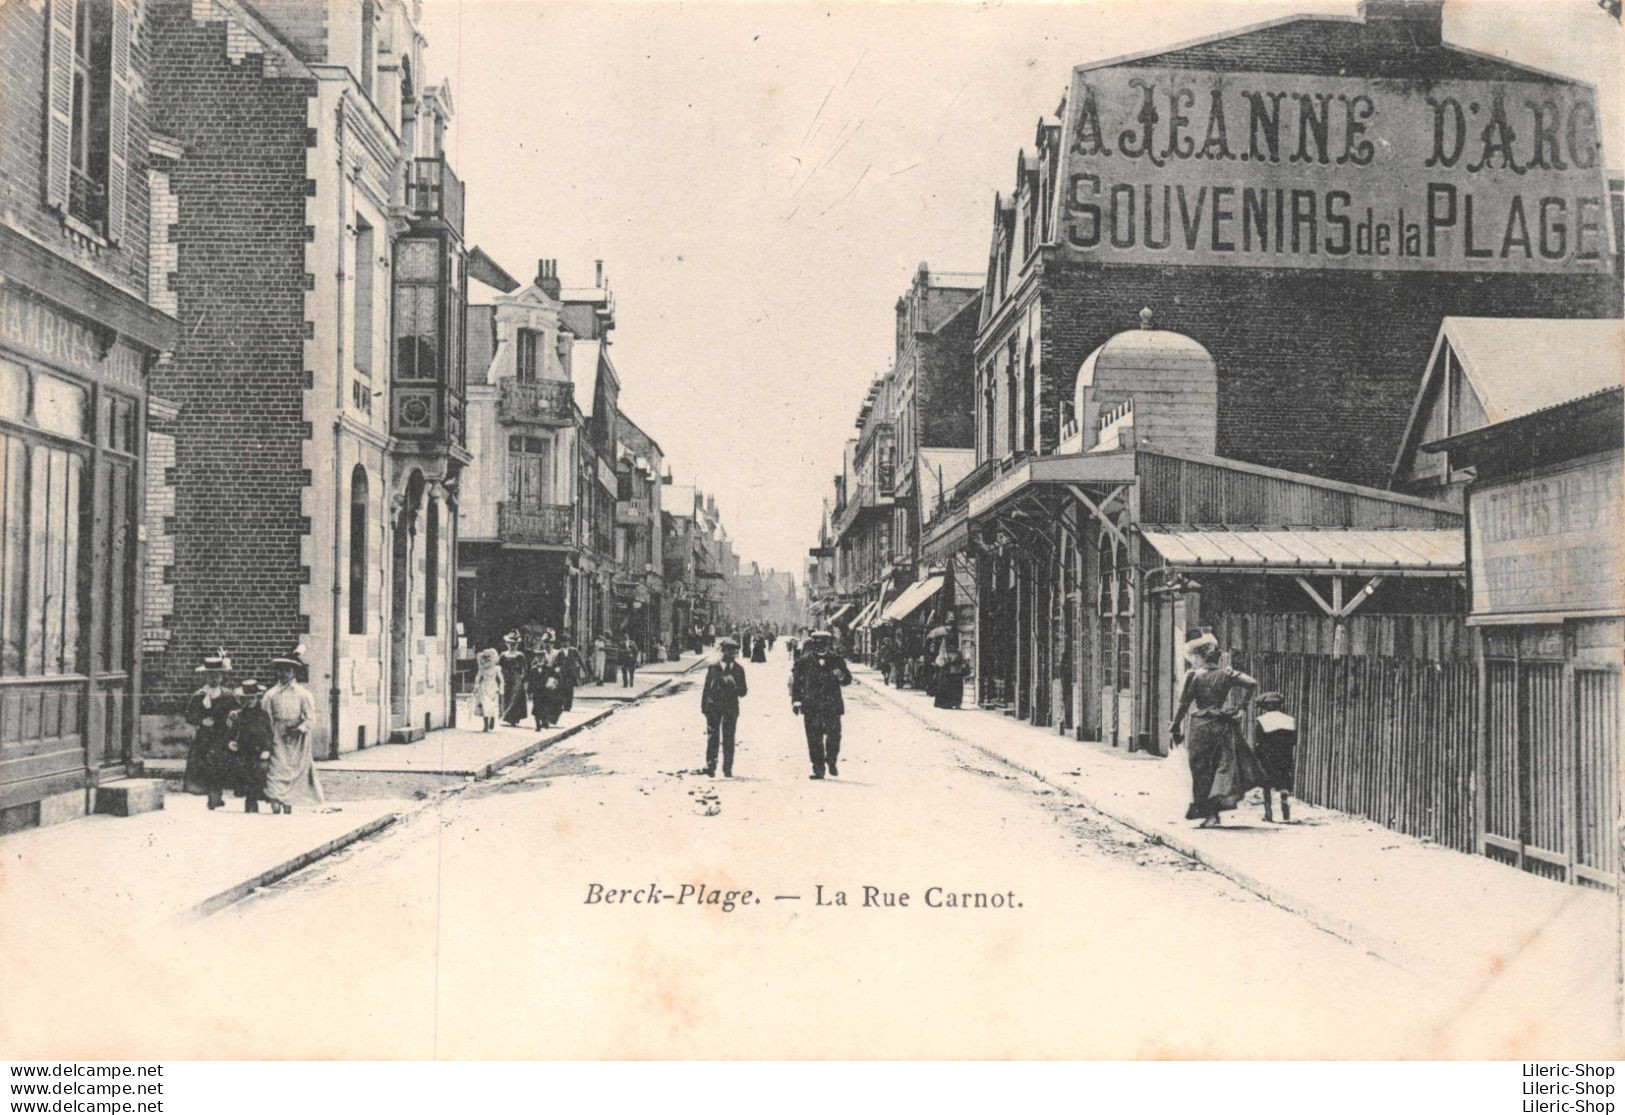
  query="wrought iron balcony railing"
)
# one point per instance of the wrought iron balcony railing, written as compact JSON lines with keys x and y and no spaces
{"x":545,"y":402}
{"x":536,"y":524}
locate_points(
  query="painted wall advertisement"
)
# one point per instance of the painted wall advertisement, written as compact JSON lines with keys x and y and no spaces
{"x":1550,"y":544}
{"x":1181,"y":166}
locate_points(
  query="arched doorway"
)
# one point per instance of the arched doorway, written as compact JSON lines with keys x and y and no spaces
{"x":400,"y":605}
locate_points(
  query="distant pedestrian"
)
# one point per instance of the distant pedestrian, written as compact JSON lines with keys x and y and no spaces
{"x":815,"y":695}
{"x":629,"y":662}
{"x":543,"y":685}
{"x":1223,"y":767}
{"x":572,"y":671}
{"x":758,"y":649}
{"x":489,"y":686}
{"x":600,"y":659}
{"x":208,"y":762}
{"x":719,"y":704}
{"x":949,"y":691}
{"x":1275,"y":738}
{"x":291,"y":775}
{"x":514,"y":662}
{"x":251,"y":742}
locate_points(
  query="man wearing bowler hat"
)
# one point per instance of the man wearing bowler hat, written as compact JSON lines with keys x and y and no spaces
{"x":815,"y":696}
{"x":719,"y":703}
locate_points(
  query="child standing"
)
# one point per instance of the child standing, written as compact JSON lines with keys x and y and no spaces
{"x":251,"y":744}
{"x":1275,"y":741}
{"x":488,"y":688}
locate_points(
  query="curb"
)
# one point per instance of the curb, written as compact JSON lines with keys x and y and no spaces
{"x":235,"y":894}
{"x":1339,"y":927}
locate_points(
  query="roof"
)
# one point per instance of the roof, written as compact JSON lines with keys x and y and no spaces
{"x":1407,"y":552}
{"x":584,"y":373}
{"x":484,"y":269}
{"x":1139,"y":349}
{"x":1520,"y":365}
{"x":1334,"y":46}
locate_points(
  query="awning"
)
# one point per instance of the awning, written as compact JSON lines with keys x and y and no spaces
{"x":835,"y":616}
{"x":912,"y":599}
{"x":1411,"y":553}
{"x":867,"y":616}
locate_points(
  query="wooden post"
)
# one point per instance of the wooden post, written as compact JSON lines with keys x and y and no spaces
{"x":1481,"y":740}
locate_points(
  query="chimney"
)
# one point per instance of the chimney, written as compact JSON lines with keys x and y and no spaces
{"x":599,"y":282}
{"x":1417,"y":22}
{"x":547,"y":277}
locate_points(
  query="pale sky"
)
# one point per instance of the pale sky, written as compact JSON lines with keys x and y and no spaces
{"x":762,"y":180}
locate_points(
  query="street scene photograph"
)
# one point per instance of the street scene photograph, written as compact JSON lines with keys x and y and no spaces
{"x":594,"y":530}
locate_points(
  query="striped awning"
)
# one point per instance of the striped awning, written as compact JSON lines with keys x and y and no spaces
{"x":912,"y":599}
{"x":1414,"y":553}
{"x":835,"y":616}
{"x":867,"y":616}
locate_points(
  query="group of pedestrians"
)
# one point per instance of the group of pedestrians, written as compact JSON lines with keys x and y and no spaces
{"x":540,"y":683}
{"x":817,"y":675}
{"x":937,"y":666}
{"x":253,"y":741}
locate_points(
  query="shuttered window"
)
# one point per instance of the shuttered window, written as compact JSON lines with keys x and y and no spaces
{"x":88,"y":119}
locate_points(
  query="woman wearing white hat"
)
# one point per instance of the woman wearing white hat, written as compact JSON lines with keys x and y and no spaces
{"x":291,"y":776}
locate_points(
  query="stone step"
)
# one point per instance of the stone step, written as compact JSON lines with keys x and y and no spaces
{"x":127,"y":797}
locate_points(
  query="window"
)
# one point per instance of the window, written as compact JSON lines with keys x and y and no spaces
{"x":363,"y":296}
{"x":358,"y":551}
{"x":530,"y":479}
{"x":417,"y":309}
{"x":431,"y":570}
{"x":369,"y":16}
{"x":525,"y":355}
{"x":1029,"y":403}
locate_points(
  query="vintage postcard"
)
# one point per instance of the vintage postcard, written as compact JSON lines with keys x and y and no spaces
{"x":590,"y":530}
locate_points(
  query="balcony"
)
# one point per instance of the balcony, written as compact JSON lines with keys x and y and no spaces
{"x":547,"y":402}
{"x":536,"y":524}
{"x":434,"y":193}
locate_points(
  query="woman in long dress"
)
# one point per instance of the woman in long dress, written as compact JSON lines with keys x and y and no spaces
{"x":488,"y":686}
{"x":513,"y":663}
{"x":543,"y":684}
{"x":950,"y":687}
{"x":291,"y":775}
{"x":209,"y":711}
{"x":1223,"y":767}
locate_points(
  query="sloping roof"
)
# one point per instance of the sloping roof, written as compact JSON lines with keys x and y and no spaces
{"x":584,"y":373}
{"x":1520,"y":365}
{"x":1335,"y":46}
{"x":1413,"y":552}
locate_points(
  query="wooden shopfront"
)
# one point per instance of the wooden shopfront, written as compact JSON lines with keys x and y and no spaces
{"x":72,"y":406}
{"x":1547,"y":572}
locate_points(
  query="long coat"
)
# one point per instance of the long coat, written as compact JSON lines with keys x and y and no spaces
{"x":514,"y":664}
{"x":815,"y":683}
{"x":207,"y":760}
{"x":718,"y":697}
{"x":292,"y":774}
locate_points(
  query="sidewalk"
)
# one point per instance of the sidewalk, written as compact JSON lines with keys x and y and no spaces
{"x":1482,"y":932}
{"x":185,"y":861}
{"x":450,"y":756}
{"x":181,"y":860}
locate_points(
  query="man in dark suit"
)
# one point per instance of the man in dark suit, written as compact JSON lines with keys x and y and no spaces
{"x":719,"y":702}
{"x":815,"y":696}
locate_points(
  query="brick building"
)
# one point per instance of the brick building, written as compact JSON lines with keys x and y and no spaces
{"x":317,"y":395}
{"x":81,"y":330}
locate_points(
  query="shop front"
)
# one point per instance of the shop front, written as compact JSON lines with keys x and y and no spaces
{"x":1547,"y":572}
{"x":72,"y":431}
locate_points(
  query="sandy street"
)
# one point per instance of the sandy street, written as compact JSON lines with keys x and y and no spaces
{"x":467,"y":932}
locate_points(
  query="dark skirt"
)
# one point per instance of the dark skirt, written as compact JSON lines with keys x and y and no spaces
{"x":1223,"y":768}
{"x":949,"y":691}
{"x":517,"y":702}
{"x":208,"y":767}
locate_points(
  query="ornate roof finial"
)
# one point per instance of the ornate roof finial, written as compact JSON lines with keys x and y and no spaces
{"x":1145,"y":317}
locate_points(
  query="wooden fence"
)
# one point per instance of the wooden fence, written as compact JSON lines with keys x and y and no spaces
{"x":1391,"y":739}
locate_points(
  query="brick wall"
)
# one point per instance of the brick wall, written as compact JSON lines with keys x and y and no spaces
{"x":945,"y":382}
{"x":22,"y":148}
{"x":238,"y":377}
{"x":1317,"y":369}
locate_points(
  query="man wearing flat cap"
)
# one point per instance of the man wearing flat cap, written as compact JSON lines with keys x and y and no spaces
{"x":815,"y":696}
{"x":719,"y":703}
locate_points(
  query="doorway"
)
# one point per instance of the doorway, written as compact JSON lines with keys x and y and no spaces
{"x":400,"y":607}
